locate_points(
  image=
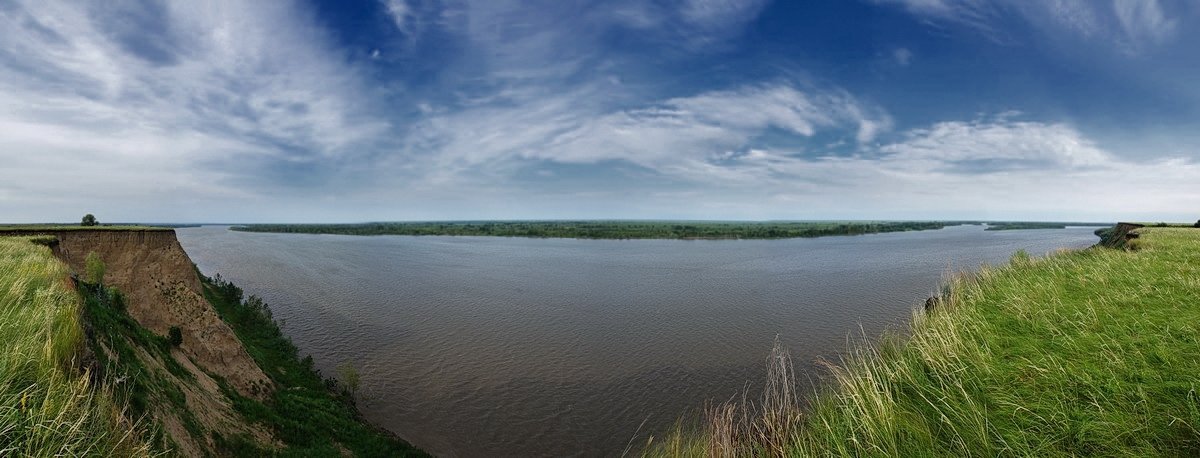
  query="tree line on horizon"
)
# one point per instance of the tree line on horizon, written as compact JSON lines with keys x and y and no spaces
{"x":607,"y":229}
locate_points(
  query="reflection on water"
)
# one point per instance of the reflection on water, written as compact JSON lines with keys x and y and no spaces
{"x":478,"y":346}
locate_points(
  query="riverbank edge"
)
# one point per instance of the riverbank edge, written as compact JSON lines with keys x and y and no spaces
{"x":1008,"y":361}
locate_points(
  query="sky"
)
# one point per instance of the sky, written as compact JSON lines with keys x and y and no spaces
{"x":390,"y":110}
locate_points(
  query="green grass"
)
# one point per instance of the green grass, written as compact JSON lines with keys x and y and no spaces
{"x":1088,"y":353}
{"x":48,"y":406}
{"x":24,"y":228}
{"x":610,"y":229}
{"x":308,"y":413}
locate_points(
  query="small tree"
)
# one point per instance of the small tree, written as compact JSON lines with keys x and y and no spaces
{"x":175,"y":336}
{"x":349,"y":378}
{"x":95,"y":268}
{"x":1197,"y":223}
{"x":89,"y":220}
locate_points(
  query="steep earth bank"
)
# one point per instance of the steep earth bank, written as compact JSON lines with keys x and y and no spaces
{"x":203,"y":391}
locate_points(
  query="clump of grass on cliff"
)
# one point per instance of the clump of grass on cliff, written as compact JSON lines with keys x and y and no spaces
{"x":1094,"y":352}
{"x":48,"y":406}
{"x":309,"y":414}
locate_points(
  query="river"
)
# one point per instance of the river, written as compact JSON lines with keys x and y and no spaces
{"x":482,"y":346}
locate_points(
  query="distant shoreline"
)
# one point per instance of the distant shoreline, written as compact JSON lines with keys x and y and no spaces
{"x":627,"y":230}
{"x":609,"y":230}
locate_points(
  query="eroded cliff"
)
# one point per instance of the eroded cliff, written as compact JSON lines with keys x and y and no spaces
{"x":230,"y":384}
{"x":162,"y":290}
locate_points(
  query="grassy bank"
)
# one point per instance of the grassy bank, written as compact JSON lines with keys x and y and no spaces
{"x":311,"y":415}
{"x":610,"y":229}
{"x":1094,"y":352}
{"x":48,"y":405}
{"x":26,"y":228}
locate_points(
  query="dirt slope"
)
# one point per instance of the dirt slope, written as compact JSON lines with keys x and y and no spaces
{"x":162,"y":290}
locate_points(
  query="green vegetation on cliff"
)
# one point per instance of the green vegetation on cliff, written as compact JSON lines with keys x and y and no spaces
{"x":610,"y":229}
{"x":312,"y":415}
{"x":1092,"y":352}
{"x":49,"y":404}
{"x":34,"y":228}
{"x":130,"y":356}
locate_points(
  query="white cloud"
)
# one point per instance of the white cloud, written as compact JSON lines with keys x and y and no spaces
{"x":982,"y":169}
{"x":710,"y":149}
{"x":1130,"y":24}
{"x":1143,"y":21}
{"x":1077,"y":16}
{"x":400,"y":13}
{"x":660,"y":136}
{"x":998,"y":146}
{"x":902,"y":56}
{"x":976,"y":14}
{"x":94,"y":116}
{"x":721,"y":13}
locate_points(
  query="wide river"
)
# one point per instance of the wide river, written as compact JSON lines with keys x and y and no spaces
{"x":481,"y":346}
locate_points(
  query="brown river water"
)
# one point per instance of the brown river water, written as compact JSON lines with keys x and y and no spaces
{"x":487,"y":346}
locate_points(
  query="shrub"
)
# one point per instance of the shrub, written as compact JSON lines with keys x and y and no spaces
{"x":89,"y":220}
{"x":175,"y":336}
{"x":95,"y":268}
{"x":116,"y":300}
{"x":349,"y":378}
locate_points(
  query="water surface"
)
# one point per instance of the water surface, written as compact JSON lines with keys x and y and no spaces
{"x":482,"y":346}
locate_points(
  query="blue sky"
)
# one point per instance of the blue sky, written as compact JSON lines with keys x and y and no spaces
{"x":324,"y":111}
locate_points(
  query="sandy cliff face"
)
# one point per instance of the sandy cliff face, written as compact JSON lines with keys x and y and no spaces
{"x":162,"y":290}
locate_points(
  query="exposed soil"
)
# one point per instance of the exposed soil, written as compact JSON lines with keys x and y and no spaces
{"x":162,"y":290}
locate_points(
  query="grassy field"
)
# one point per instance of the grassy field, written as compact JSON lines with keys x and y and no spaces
{"x":21,"y":228}
{"x":1087,"y":353}
{"x":611,"y":229}
{"x":49,"y":407}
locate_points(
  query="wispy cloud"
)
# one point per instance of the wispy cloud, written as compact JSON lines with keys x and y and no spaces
{"x":976,"y":14}
{"x":998,"y":146}
{"x":401,"y":14}
{"x":226,"y":90}
{"x":990,"y":168}
{"x":663,"y":136}
{"x":1143,"y":21}
{"x":1130,"y":24}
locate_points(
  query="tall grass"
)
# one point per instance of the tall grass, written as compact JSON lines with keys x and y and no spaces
{"x":1094,"y":352}
{"x":48,"y":406}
